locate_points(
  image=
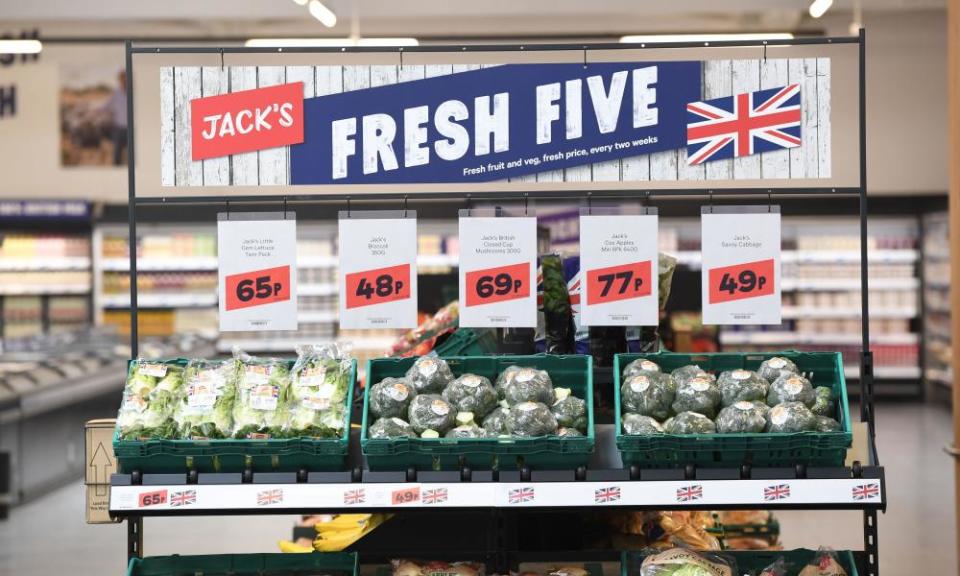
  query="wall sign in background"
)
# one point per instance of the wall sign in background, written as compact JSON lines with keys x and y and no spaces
{"x":498,"y":261}
{"x":618,"y":263}
{"x":378,"y":270}
{"x":258,"y":271}
{"x":741,"y":265}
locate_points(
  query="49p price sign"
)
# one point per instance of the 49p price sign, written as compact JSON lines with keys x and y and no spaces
{"x":258,"y":271}
{"x":378,"y":270}
{"x":741,"y":266}
{"x":498,"y":260}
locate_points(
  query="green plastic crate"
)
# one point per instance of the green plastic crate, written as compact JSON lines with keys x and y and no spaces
{"x":313,"y":564}
{"x":769,"y":532}
{"x":545,"y":453}
{"x":468,"y":342}
{"x":725,"y":450}
{"x":232,"y":455}
{"x":751,"y":562}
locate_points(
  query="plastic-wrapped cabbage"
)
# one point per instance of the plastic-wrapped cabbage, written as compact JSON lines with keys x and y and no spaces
{"x":149,"y":399}
{"x":689,"y":423}
{"x":205,"y":407}
{"x":569,"y":433}
{"x":495,"y":423}
{"x":743,"y":416}
{"x":504,"y":378}
{"x":791,"y":417}
{"x":529,"y":385}
{"x":431,"y":412}
{"x":466,"y":431}
{"x":791,"y":388}
{"x":684,"y":373}
{"x":739,"y":385}
{"x":429,"y":375}
{"x":320,"y":382}
{"x":262,"y":405}
{"x":826,"y":424}
{"x":391,"y":397}
{"x":471,"y":393}
{"x":772,"y":368}
{"x":685,"y":562}
{"x":570,"y":411}
{"x":648,"y":394}
{"x":823,"y":402}
{"x":698,"y":394}
{"x":640,"y":366}
{"x":531,"y":419}
{"x":391,"y":428}
{"x":640,"y":424}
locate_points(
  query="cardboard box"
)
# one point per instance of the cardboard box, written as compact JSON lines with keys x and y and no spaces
{"x":100,"y":465}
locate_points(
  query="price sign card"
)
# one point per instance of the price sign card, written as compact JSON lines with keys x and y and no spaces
{"x":378,"y":269}
{"x":498,"y":267}
{"x":618,"y":262}
{"x":258,"y":271}
{"x":741,"y":265}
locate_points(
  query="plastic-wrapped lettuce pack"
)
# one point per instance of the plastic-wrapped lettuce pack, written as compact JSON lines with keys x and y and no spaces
{"x":319,"y":385}
{"x":149,"y":399}
{"x":262,"y":405}
{"x":204,"y":409}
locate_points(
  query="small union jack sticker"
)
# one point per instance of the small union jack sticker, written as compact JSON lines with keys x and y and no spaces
{"x":269,"y":497}
{"x":776,"y":492}
{"x":184,"y":498}
{"x":518,"y":495}
{"x":608,"y":494}
{"x":357,"y":496}
{"x":866,"y":491}
{"x":690,"y":493}
{"x":434,"y":496}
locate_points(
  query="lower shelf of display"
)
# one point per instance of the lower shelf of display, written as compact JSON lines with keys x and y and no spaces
{"x":886,"y":372}
{"x":160,"y":300}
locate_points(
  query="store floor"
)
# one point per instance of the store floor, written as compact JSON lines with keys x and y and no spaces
{"x":49,"y":536}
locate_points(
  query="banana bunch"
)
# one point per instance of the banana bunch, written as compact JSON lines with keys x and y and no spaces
{"x":338,"y":533}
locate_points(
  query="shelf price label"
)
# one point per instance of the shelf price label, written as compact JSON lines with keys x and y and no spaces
{"x":378,"y":281}
{"x":257,"y":255}
{"x":154,"y":498}
{"x":498,"y":257}
{"x":741,"y":267}
{"x":405,"y":496}
{"x":618,"y":256}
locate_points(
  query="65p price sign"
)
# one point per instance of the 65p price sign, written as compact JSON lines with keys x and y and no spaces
{"x":498,"y":257}
{"x":741,"y":265}
{"x":378,"y":269}
{"x":258,"y":271}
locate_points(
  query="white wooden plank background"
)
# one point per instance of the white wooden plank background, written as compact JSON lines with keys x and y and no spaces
{"x":271,"y":167}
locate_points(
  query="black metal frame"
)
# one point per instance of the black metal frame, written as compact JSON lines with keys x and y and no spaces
{"x":867,"y":415}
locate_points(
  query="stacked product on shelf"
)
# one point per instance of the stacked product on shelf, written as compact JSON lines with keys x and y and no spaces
{"x":937,"y":328}
{"x":686,"y":562}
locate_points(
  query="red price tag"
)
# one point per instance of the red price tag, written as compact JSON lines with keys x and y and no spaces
{"x":152,"y":498}
{"x":258,"y":287}
{"x":378,"y":286}
{"x":741,"y":281}
{"x":405,"y":496}
{"x":498,"y":284}
{"x":619,"y":282}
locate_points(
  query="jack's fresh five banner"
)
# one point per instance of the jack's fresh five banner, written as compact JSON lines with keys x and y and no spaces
{"x":625,"y":121}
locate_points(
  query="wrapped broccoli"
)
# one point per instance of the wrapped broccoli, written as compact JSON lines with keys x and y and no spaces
{"x":149,"y":399}
{"x":569,"y":433}
{"x":391,"y":397}
{"x":262,"y":405}
{"x":791,"y":417}
{"x":640,"y":424}
{"x":205,"y":407}
{"x":743,"y":416}
{"x":471,"y":393}
{"x":391,"y":428}
{"x":791,"y":388}
{"x":823,"y":401}
{"x":431,"y":412}
{"x":531,"y":419}
{"x":738,"y":385}
{"x":466,"y":431}
{"x":826,"y":424}
{"x":570,"y":411}
{"x":689,"y":423}
{"x":772,"y":368}
{"x":684,"y":373}
{"x":320,"y":382}
{"x":495,"y":424}
{"x":698,"y":394}
{"x":640,"y":366}
{"x":529,"y":385}
{"x":649,"y":394}
{"x":429,"y":375}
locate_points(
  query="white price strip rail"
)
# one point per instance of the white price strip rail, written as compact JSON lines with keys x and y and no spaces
{"x":252,"y":498}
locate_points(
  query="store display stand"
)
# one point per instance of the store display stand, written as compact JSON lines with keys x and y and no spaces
{"x":508,"y":495}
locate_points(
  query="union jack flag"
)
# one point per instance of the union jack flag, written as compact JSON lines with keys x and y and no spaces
{"x":690,"y":493}
{"x":434,"y":496}
{"x":608,"y":494}
{"x":866,"y":491}
{"x":743,"y":124}
{"x":518,"y":495}
{"x":354,"y":497}
{"x":776,"y":492}
{"x":184,"y":498}
{"x":268,"y":497}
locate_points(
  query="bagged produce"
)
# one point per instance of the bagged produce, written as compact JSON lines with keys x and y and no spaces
{"x":698,"y":394}
{"x":689,"y":423}
{"x":684,"y":373}
{"x":823,"y":401}
{"x":569,"y":432}
{"x":791,"y":417}
{"x":640,"y":424}
{"x":826,"y":424}
{"x":791,"y":388}
{"x":436,"y":568}
{"x":431,"y":412}
{"x":742,"y":416}
{"x":495,"y":423}
{"x":684,"y":562}
{"x":738,"y":385}
{"x":772,"y":368}
{"x":689,"y":529}
{"x":471,"y":393}
{"x":825,"y":563}
{"x":649,"y":394}
{"x":777,"y":568}
{"x":319,"y":385}
{"x":529,"y":385}
{"x":531,"y":419}
{"x":391,"y":397}
{"x":466,"y":431}
{"x":262,"y":405}
{"x":505,"y":378}
{"x":429,"y":374}
{"x":570,"y":411}
{"x":149,"y":399}
{"x":205,"y":407}
{"x":640,"y":366}
{"x":391,"y":428}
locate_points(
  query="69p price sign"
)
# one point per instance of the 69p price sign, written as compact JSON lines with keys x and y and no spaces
{"x":498,"y":258}
{"x":741,"y":266}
